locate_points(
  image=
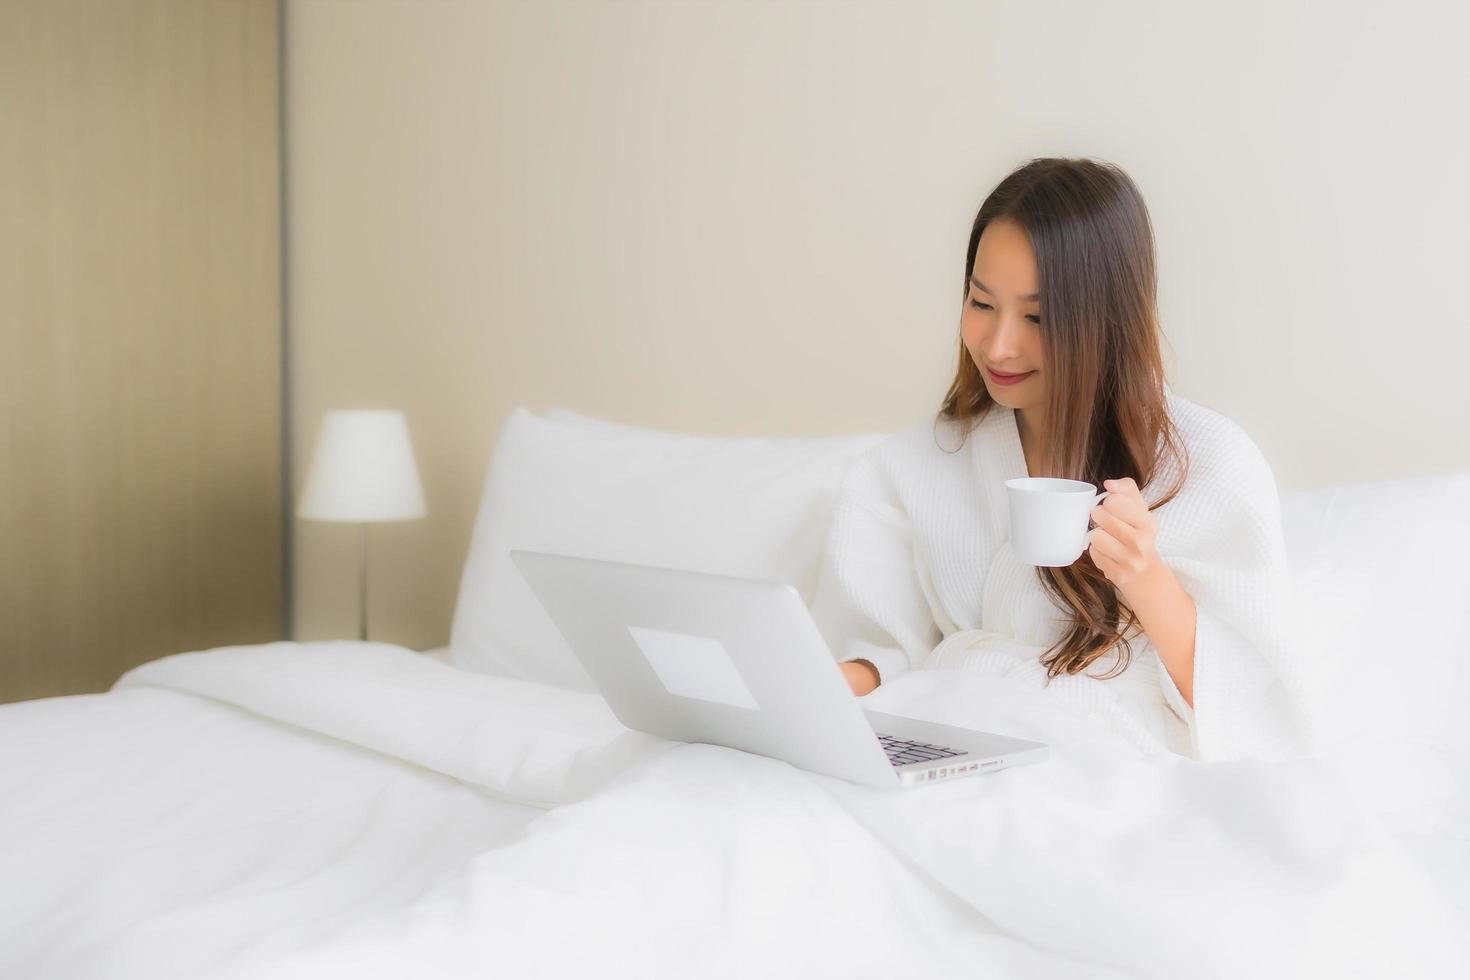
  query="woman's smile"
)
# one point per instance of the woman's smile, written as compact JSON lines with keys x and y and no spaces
{"x":1007,"y":379}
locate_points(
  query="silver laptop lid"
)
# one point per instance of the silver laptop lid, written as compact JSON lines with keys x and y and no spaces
{"x":699,"y":657}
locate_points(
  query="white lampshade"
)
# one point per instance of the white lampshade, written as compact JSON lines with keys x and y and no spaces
{"x":363,"y":470}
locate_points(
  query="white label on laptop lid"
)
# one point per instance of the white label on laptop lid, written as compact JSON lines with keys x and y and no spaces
{"x":693,"y":666}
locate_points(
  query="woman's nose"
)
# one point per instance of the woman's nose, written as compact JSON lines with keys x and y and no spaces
{"x":1003,"y":342}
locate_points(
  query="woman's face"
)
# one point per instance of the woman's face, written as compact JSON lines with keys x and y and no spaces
{"x":1001,"y":317}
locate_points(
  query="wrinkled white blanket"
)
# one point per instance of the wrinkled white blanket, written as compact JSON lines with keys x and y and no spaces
{"x":660,"y":859}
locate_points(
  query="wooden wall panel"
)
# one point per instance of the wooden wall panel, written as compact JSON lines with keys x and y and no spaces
{"x":140,"y":335}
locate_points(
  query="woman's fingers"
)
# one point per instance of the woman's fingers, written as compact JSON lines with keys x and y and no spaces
{"x":1101,"y":544}
{"x":1110,"y":522}
{"x":1125,"y":501}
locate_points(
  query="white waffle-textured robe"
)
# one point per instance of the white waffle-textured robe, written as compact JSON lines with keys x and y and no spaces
{"x":917,"y":572}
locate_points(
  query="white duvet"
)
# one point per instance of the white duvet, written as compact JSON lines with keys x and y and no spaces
{"x":359,"y":810}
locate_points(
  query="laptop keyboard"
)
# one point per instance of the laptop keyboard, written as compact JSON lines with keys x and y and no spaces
{"x":901,"y":753}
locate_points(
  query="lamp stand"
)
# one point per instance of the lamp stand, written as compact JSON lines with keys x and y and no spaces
{"x":362,"y":584}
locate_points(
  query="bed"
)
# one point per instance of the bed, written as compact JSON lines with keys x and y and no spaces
{"x":346,"y":809}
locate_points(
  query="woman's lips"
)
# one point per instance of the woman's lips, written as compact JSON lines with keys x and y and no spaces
{"x":1007,"y":379}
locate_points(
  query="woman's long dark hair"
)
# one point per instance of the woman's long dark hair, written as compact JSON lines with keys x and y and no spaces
{"x":1106,"y":414}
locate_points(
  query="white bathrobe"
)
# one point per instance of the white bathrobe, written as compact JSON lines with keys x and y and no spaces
{"x":917,"y":572}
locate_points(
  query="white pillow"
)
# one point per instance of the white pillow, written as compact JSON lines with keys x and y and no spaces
{"x":1382,"y":574}
{"x":752,"y":507}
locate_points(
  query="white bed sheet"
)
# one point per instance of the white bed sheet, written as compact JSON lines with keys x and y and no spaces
{"x":358,"y":810}
{"x":152,"y":833}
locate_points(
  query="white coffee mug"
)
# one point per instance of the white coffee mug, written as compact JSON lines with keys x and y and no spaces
{"x":1049,"y":518}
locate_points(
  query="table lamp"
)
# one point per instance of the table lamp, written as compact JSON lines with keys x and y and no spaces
{"x":363,"y":472}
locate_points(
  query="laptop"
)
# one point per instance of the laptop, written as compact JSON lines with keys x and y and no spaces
{"x":697,"y":657}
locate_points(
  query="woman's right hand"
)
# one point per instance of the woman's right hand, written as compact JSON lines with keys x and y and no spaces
{"x":861,"y":676}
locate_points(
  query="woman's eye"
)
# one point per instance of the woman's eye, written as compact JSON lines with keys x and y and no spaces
{"x":985,"y":306}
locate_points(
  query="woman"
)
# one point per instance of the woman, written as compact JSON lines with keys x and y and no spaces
{"x":1170,"y":624}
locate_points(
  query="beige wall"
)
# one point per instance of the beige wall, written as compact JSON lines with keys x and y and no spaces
{"x":751,"y":217}
{"x":140,"y":336}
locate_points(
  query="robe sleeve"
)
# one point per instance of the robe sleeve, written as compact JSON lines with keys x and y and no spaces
{"x":1222,"y":538}
{"x":872,"y":600}
{"x":1173,"y":697}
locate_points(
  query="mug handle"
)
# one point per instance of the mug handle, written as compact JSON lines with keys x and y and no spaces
{"x":1095,"y":501}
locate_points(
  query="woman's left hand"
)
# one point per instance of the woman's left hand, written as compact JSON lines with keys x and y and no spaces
{"x":1123,"y":542}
